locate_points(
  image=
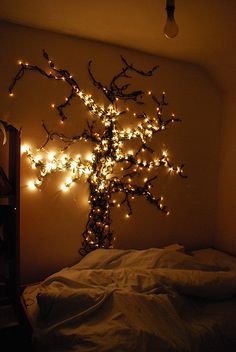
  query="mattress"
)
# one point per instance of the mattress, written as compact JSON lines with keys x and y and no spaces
{"x":190,"y":318}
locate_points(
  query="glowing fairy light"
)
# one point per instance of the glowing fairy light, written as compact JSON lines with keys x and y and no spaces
{"x":51,"y":156}
{"x":90,"y":157}
{"x":64,"y":188}
{"x":37,"y":158}
{"x":31,"y":185}
{"x":87,"y":171}
{"x":25,"y":148}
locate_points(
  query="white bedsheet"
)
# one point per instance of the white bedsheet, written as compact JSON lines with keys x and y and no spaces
{"x":152,"y":300}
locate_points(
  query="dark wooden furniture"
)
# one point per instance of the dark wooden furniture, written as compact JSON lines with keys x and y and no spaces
{"x":13,"y":324}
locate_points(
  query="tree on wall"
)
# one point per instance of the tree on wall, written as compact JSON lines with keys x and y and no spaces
{"x":108,"y":139}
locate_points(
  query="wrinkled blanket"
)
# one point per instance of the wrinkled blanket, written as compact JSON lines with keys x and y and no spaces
{"x":167,"y":306}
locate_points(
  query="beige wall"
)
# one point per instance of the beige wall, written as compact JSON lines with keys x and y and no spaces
{"x":52,"y":222}
{"x":225,"y":238}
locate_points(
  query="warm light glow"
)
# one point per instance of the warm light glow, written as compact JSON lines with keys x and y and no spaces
{"x":31,"y":185}
{"x":90,"y":157}
{"x":25,"y":148}
{"x":64,"y":188}
{"x":37,"y":158}
{"x":68,"y":181}
{"x":51,"y":156}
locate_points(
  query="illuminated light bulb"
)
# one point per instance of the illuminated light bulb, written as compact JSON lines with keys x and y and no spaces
{"x":64,"y":188}
{"x":127,"y":216}
{"x":11,"y":94}
{"x":149,"y":92}
{"x":19,"y":62}
{"x":25,"y":148}
{"x":31,"y":185}
{"x":168,"y":213}
{"x":73,"y":165}
{"x":118,"y":205}
{"x":145,"y":179}
{"x":53,"y":106}
{"x":69,"y":180}
{"x":64,"y":158}
{"x":49,"y":167}
{"x":164,"y":153}
{"x":87,"y":171}
{"x":37,"y":158}
{"x":26,"y":64}
{"x":38,"y":182}
{"x":51,"y":156}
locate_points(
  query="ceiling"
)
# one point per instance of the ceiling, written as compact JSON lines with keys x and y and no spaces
{"x":207,"y":28}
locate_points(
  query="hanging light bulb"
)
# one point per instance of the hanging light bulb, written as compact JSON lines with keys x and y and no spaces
{"x":171,"y":28}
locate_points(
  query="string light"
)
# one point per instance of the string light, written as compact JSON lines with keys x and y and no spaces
{"x":32,"y":185}
{"x":98,"y":168}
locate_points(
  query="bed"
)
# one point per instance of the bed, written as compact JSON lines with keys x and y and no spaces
{"x":137,"y":300}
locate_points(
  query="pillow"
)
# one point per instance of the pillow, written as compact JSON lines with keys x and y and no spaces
{"x":123,"y":258}
{"x":215,"y":257}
